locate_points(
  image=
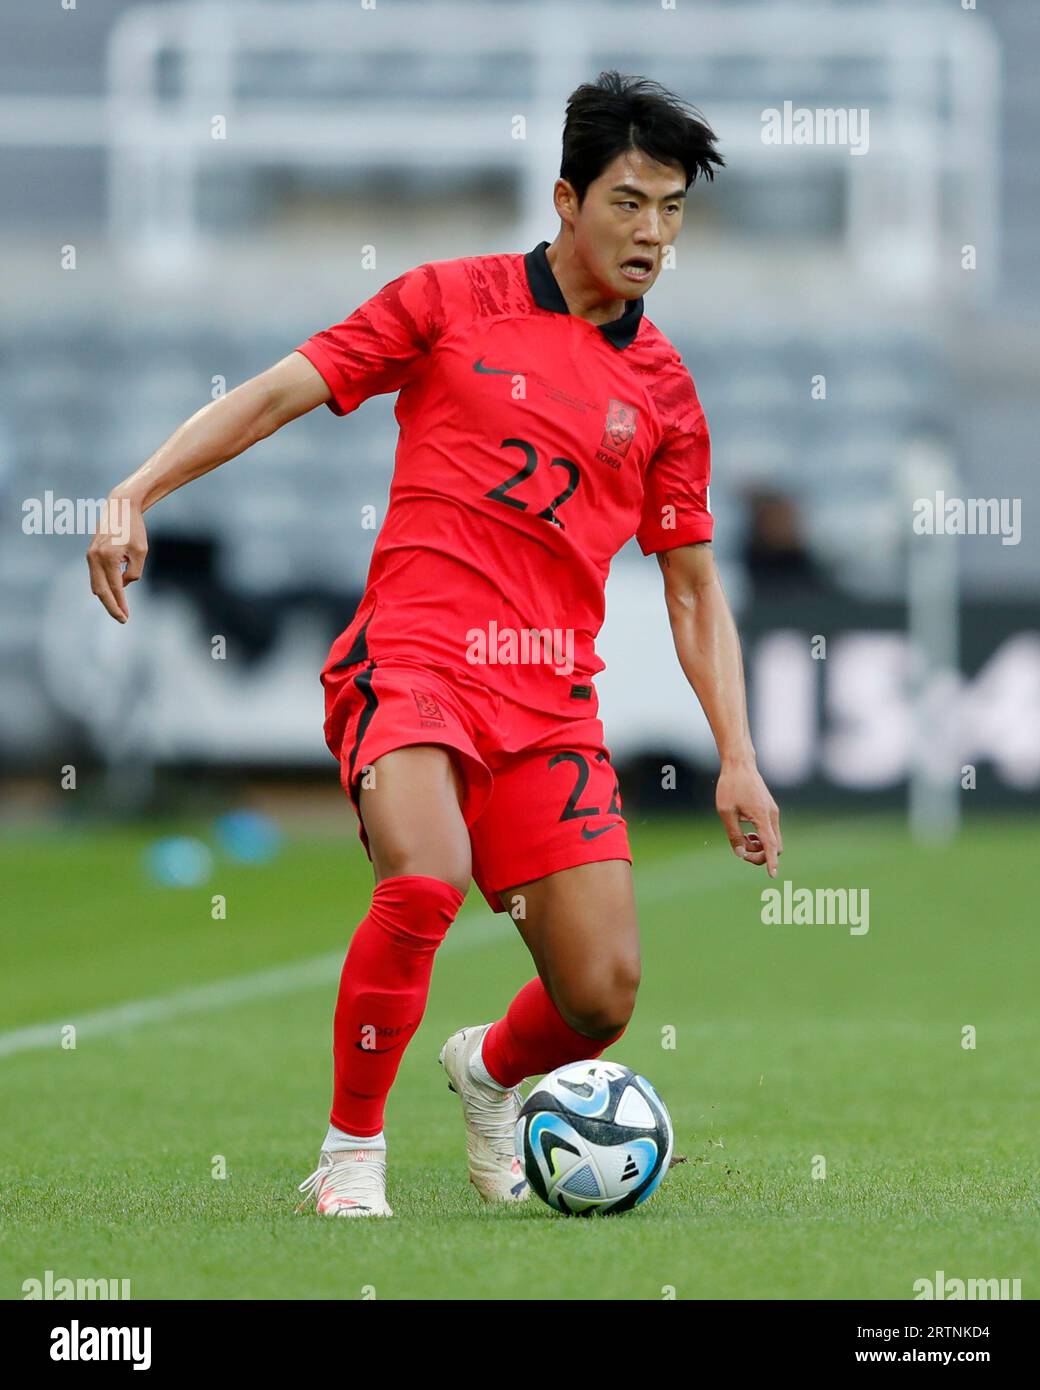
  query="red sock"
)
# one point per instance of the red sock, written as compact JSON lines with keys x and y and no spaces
{"x":533,"y":1038}
{"x":383,"y":991}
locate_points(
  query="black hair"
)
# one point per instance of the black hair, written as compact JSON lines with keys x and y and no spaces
{"x":616,"y":113}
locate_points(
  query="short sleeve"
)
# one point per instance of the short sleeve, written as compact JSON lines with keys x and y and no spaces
{"x":675,"y":495}
{"x":382,"y":345}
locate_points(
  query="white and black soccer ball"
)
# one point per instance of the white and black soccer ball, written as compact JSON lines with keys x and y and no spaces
{"x":594,"y":1137}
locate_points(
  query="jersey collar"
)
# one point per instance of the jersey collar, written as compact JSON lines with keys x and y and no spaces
{"x":547,"y":294}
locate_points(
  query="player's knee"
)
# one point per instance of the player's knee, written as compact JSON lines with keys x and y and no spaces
{"x":434,"y":842}
{"x":446,"y":857}
{"x":458,"y":878}
{"x":602,"y":1006}
{"x":604,"y":1022}
{"x":451,"y":869}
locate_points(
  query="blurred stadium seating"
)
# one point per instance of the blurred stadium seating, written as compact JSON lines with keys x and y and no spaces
{"x":199,"y":259}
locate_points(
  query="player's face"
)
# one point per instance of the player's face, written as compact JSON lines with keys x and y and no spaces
{"x":630,"y":215}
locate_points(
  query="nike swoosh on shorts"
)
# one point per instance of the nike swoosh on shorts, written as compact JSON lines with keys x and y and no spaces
{"x":587,"y":834}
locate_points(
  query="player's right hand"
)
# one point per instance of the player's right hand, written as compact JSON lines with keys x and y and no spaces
{"x":117,"y":553}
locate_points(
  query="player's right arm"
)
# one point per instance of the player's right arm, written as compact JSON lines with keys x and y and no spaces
{"x":379,"y":348}
{"x":218,"y":432}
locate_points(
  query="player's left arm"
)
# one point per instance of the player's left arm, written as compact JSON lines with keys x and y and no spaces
{"x":708,"y":648}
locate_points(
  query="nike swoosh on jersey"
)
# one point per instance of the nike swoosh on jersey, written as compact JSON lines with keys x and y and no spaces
{"x":478,"y":366}
{"x":587,"y":834}
{"x":362,"y":1048}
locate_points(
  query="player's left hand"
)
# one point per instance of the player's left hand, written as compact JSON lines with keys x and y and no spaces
{"x":741,"y":795}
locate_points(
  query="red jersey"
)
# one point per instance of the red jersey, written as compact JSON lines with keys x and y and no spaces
{"x":533,"y":445}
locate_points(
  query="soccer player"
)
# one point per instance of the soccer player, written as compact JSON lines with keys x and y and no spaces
{"x":544,"y":421}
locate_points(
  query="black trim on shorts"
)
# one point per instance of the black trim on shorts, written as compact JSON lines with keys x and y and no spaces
{"x":358,"y":651}
{"x":363,"y":682}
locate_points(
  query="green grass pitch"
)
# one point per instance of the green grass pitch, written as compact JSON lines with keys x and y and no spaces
{"x":790,"y":1042}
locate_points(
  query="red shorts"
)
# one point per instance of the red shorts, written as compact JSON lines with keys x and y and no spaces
{"x":539,"y":792}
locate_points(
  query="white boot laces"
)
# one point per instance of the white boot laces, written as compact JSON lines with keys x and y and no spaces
{"x":495,"y":1116}
{"x":362,"y":1181}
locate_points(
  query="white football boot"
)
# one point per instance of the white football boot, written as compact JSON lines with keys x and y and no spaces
{"x":491,"y":1116}
{"x":348,"y":1182}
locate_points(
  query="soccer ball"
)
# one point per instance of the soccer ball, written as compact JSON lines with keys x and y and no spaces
{"x":594,"y":1137}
